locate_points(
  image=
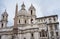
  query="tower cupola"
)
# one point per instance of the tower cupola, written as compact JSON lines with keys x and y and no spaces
{"x":32,"y":7}
{"x":5,"y":13}
{"x":23,"y":6}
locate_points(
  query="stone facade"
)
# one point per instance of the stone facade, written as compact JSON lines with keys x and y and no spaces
{"x":28,"y":26}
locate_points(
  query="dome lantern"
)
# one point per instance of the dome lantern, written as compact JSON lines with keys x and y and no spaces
{"x":23,"y":6}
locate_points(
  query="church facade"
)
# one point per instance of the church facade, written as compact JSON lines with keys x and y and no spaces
{"x":28,"y":26}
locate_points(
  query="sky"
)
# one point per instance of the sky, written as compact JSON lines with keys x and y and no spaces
{"x":43,"y":8}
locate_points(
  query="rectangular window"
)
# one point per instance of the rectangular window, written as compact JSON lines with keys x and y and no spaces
{"x":54,"y":19}
{"x":52,"y":33}
{"x":51,"y":27}
{"x":40,"y":34}
{"x":46,"y":34}
{"x":43,"y":33}
{"x":50,"y":20}
{"x":31,"y":12}
{"x":56,"y":27}
{"x":56,"y":33}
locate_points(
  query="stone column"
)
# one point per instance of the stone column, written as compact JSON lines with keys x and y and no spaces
{"x":29,"y":21}
{"x":20,"y":36}
{"x":36,"y":35}
{"x":28,"y":35}
{"x":49,"y":34}
{"x":40,"y":34}
{"x":54,"y":32}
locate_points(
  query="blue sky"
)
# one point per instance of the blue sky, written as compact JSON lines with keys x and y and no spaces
{"x":43,"y":7}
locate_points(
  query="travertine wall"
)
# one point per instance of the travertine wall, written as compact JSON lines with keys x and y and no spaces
{"x":6,"y":37}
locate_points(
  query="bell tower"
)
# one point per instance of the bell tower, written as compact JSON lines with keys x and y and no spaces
{"x":32,"y":12}
{"x":4,"y":20}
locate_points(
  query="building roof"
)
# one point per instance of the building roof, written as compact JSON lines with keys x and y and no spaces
{"x":47,"y":16}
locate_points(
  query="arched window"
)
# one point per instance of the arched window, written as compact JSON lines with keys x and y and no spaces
{"x":32,"y":34}
{"x":31,"y":12}
{"x":25,"y":21}
{"x":2,"y":25}
{"x":43,"y":34}
{"x":3,"y":17}
{"x":19,"y":21}
{"x":24,"y":38}
{"x":31,"y":20}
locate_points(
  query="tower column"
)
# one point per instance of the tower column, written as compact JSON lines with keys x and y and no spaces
{"x":49,"y":34}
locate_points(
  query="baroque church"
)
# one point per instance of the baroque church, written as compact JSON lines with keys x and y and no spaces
{"x":28,"y":26}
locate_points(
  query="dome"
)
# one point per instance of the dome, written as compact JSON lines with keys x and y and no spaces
{"x":22,"y":12}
